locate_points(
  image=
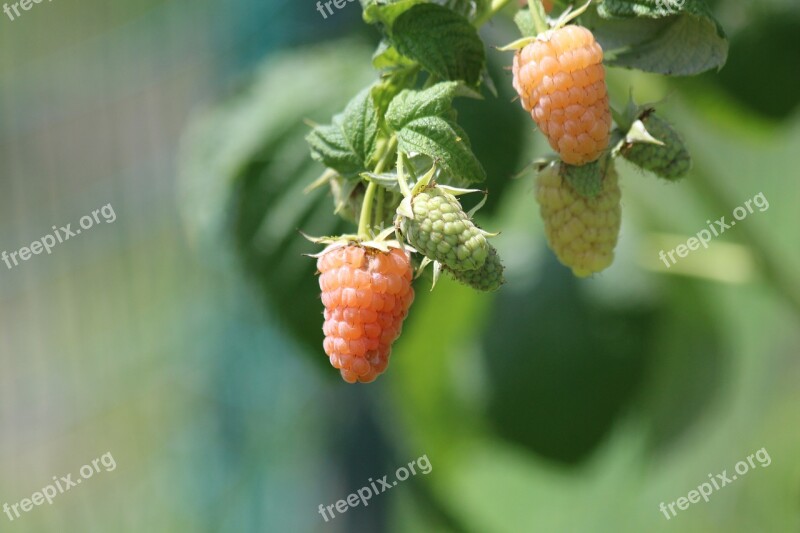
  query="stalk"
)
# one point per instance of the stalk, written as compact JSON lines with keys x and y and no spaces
{"x":369,"y":197}
{"x":538,"y":16}
{"x":366,"y":211}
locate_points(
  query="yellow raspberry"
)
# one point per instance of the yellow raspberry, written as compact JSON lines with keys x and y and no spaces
{"x":581,"y":231}
{"x":560,"y":79}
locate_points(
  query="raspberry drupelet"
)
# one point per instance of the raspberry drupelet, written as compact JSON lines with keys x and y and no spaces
{"x":560,"y":79}
{"x":366,"y":294}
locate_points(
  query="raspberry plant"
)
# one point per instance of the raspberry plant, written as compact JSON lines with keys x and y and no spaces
{"x":396,"y":158}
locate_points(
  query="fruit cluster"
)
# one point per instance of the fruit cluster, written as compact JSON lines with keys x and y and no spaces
{"x":397,"y":162}
{"x":559,"y":76}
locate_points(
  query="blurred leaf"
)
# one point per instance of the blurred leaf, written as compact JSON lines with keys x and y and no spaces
{"x":679,"y":40}
{"x":561,"y":370}
{"x":757,"y":74}
{"x":244,"y":167}
{"x":688,"y":365}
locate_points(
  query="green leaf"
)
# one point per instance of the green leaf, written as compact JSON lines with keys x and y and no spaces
{"x":444,"y":142}
{"x":442,"y":41}
{"x":525,"y":23}
{"x":387,"y":89}
{"x":387,"y":57}
{"x":330,"y":147}
{"x":681,"y":39}
{"x":435,"y":101}
{"x":348,"y":144}
{"x":383,"y":12}
{"x":425,"y":123}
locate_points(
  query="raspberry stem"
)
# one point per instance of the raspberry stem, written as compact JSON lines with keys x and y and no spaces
{"x":369,"y":196}
{"x":366,"y":211}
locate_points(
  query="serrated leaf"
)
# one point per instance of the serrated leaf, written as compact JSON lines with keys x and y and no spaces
{"x":673,"y":37}
{"x":444,"y":142}
{"x":330,"y":147}
{"x":442,"y":41}
{"x":435,"y":101}
{"x":348,"y":143}
{"x":389,"y":87}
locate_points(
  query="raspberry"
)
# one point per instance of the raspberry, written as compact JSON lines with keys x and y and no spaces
{"x":366,"y":294}
{"x":670,"y":161}
{"x":581,"y":231}
{"x":487,"y":278}
{"x":560,"y":79}
{"x":442,"y":231}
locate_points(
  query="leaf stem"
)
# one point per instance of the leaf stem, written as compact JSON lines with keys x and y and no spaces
{"x":369,"y":197}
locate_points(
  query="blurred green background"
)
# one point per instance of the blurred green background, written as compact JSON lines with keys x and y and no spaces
{"x":185,"y":338}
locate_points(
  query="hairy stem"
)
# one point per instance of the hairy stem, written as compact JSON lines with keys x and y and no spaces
{"x":366,"y":211}
{"x":369,"y":197}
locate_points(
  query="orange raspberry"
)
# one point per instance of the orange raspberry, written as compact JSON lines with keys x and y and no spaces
{"x":366,"y":294}
{"x":560,"y":79}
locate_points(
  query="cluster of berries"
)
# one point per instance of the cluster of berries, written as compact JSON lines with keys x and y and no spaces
{"x":560,"y":79}
{"x":366,"y":279}
{"x":366,"y":284}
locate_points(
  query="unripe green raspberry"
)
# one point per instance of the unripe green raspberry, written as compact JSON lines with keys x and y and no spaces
{"x":442,"y":231}
{"x":487,"y":278}
{"x":581,"y":231}
{"x":670,"y":161}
